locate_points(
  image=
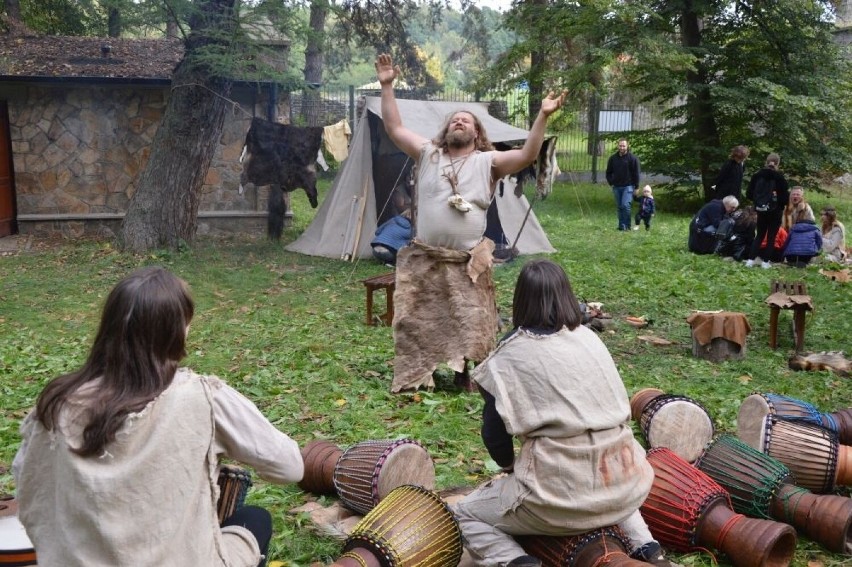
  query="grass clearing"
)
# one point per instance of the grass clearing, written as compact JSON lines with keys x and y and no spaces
{"x":287,"y":330}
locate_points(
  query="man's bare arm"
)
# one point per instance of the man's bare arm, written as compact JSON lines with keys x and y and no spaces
{"x":406,"y":140}
{"x":512,"y":161}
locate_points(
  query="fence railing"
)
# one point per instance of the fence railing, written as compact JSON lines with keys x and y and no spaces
{"x":584,"y":137}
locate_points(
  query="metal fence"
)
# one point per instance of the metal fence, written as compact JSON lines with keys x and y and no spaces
{"x":584,"y":135}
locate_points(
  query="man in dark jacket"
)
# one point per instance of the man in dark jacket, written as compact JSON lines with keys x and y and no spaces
{"x":622,"y":174}
{"x":702,"y":228}
{"x":769,"y":192}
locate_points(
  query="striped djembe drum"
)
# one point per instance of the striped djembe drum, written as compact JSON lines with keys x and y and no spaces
{"x":597,"y":548}
{"x":368,"y":471}
{"x":762,"y":487}
{"x":814,"y":454}
{"x":16,"y":549}
{"x":673,"y":421}
{"x":688,"y":511}
{"x":755,"y":407}
{"x":234,"y":483}
{"x":410,"y":527}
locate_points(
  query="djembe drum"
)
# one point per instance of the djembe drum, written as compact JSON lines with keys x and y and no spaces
{"x":410,"y":527}
{"x":368,"y":471}
{"x":762,"y":487}
{"x":234,"y":483}
{"x":16,"y":549}
{"x":818,"y":461}
{"x":597,"y":548}
{"x":686,"y":510}
{"x":320,"y":458}
{"x":677,"y":422}
{"x":759,"y":405}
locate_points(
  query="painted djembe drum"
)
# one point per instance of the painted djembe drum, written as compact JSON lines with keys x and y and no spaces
{"x":234,"y":484}
{"x":605,"y":546}
{"x":759,"y":405}
{"x":368,"y":471}
{"x":762,"y":487}
{"x":814,"y":454}
{"x":16,"y":549}
{"x":320,"y":458}
{"x":676,"y":422}
{"x":410,"y":527}
{"x":687,"y":511}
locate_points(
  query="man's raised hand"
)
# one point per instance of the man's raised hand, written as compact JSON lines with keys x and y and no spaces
{"x":385,"y":69}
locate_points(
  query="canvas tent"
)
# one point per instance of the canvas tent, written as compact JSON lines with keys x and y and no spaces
{"x":358,"y":199}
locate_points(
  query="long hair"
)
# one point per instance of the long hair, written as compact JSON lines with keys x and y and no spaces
{"x":483,"y":144}
{"x":140,"y":340}
{"x":544,"y":298}
{"x":829,"y":219}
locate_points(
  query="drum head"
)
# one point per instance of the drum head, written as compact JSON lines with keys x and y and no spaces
{"x":751,"y":428}
{"x":15,"y":547}
{"x":682,"y":426}
{"x":407,"y":463}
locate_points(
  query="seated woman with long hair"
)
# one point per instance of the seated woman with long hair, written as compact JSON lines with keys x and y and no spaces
{"x":833,"y":236}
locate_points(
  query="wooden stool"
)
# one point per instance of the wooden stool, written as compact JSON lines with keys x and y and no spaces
{"x":386,"y":282}
{"x":793,"y":296}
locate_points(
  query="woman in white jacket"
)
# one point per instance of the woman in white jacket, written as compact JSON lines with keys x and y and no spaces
{"x":833,"y":236}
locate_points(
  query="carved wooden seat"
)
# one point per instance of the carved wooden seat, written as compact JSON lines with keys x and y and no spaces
{"x":793,"y":296}
{"x":386,"y":282}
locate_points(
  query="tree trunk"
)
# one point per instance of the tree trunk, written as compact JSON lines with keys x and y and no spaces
{"x":163,"y":211}
{"x":114,"y":22}
{"x":13,"y":10}
{"x":699,"y":101}
{"x":311,"y":109}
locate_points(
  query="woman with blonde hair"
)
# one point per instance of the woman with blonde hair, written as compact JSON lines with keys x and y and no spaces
{"x":833,"y":236}
{"x":797,"y":210}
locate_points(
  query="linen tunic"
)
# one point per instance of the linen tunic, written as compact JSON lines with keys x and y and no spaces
{"x":150,"y":499}
{"x":579,"y":466}
{"x":438,"y":223}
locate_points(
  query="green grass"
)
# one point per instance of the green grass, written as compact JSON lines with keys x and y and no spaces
{"x":287,"y":330}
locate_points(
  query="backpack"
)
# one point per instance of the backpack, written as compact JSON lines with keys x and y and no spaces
{"x":765,"y":198}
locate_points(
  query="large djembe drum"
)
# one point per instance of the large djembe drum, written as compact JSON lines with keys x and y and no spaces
{"x":687,"y":511}
{"x":761,"y":404}
{"x":677,"y":422}
{"x":814,"y":454}
{"x":410,"y":527}
{"x":368,"y":471}
{"x":762,"y":487}
{"x":320,"y":458}
{"x":234,"y":484}
{"x":602,"y":547}
{"x":16,"y":549}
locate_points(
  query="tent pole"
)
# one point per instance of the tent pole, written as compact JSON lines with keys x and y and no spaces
{"x":360,"y":224}
{"x":343,"y":254}
{"x":523,"y":224}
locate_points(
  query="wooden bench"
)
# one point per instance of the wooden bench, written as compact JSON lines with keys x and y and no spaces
{"x":793,"y":296}
{"x":386,"y":282}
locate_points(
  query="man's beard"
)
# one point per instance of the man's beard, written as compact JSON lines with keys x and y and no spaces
{"x":459,"y":138}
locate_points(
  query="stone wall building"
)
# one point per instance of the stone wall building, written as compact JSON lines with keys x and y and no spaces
{"x":81,"y":114}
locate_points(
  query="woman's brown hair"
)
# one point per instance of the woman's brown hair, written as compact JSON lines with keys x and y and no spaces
{"x":829,"y":218}
{"x":140,"y":340}
{"x":544,"y":298}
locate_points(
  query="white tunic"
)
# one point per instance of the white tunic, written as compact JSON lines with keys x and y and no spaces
{"x":150,"y":499}
{"x":438,"y":223}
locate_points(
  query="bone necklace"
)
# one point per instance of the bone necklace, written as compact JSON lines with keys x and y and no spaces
{"x":456,"y":200}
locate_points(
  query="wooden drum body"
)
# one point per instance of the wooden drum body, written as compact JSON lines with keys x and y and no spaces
{"x":16,"y":549}
{"x":410,"y":527}
{"x":605,"y":546}
{"x":368,"y":471}
{"x":320,"y":458}
{"x":686,"y":510}
{"x":759,"y":405}
{"x":762,"y":487}
{"x":234,"y":484}
{"x":812,"y":453}
{"x":676,"y":422}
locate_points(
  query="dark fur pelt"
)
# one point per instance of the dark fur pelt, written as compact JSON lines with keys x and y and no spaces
{"x":834,"y":361}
